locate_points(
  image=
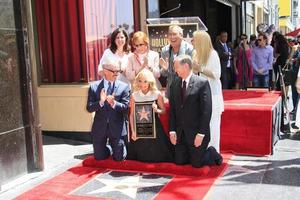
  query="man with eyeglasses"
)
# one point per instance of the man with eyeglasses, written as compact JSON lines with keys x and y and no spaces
{"x":262,"y":61}
{"x":109,"y":99}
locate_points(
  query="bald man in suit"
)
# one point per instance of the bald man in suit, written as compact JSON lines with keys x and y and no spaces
{"x":190,"y":113}
{"x":109,"y":98}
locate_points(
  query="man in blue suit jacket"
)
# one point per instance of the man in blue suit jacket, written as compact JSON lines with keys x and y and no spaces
{"x":109,"y":98}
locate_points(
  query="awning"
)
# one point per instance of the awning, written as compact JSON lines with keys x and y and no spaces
{"x":293,"y":33}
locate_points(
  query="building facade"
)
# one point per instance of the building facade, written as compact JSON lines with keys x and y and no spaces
{"x":259,"y":12}
{"x":50,"y":52}
{"x":295,"y":13}
{"x":20,"y":130}
{"x":285,"y":16}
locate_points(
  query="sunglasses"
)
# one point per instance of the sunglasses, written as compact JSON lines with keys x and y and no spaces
{"x":139,"y":45}
{"x":259,"y":40}
{"x":243,"y":38}
{"x":114,"y":71}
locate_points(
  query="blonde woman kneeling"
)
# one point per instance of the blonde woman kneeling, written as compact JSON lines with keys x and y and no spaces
{"x":157,"y":149}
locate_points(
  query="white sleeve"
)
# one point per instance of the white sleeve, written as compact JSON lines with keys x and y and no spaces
{"x":100,"y":66}
{"x":156,"y":70}
{"x":129,"y":71}
{"x":214,"y":64}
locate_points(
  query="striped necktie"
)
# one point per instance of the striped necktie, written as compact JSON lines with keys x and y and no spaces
{"x":110,"y":88}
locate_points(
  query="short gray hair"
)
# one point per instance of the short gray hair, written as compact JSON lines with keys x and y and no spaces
{"x":184,"y":59}
{"x":176,"y":28}
{"x":108,"y":63}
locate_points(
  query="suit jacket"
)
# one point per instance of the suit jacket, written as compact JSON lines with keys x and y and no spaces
{"x":193,"y":115}
{"x":115,"y":117}
{"x":223,"y":57}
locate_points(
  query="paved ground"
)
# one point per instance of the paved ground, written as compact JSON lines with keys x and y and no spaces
{"x":274,"y":177}
{"x":59,"y":155}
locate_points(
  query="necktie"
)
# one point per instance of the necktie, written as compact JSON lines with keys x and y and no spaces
{"x":183,"y":91}
{"x":227,"y":50}
{"x":109,"y":89}
{"x":225,"y":47}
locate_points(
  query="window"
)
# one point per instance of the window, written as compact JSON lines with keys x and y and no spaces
{"x":152,"y":9}
{"x":101,"y":18}
{"x":74,"y":33}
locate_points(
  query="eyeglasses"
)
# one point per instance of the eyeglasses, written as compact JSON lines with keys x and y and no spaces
{"x":139,"y":45}
{"x":259,"y":40}
{"x":114,"y":71}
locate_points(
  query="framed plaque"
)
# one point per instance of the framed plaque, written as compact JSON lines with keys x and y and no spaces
{"x":144,"y":120}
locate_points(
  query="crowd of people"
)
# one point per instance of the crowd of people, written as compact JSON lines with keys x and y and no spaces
{"x":196,"y":74}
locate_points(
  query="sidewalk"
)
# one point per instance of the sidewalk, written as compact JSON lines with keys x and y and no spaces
{"x":274,"y":177}
{"x":59,"y":155}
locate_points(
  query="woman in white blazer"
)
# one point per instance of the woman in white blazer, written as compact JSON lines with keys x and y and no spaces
{"x":206,"y":62}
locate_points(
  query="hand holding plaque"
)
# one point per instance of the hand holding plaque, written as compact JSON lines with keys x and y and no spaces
{"x":133,"y":136}
{"x":154,"y":106}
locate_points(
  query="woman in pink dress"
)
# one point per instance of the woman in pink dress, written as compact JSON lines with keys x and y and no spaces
{"x":244,"y":70}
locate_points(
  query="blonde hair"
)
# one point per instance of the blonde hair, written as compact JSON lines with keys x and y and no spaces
{"x":148,"y":75}
{"x":203,"y":47}
{"x":140,"y":36}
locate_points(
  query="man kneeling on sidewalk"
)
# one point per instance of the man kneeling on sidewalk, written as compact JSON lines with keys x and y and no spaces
{"x":190,"y":113}
{"x":109,"y":98}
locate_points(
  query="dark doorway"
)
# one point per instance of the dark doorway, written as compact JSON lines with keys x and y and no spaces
{"x":218,"y":19}
{"x":216,"y":16}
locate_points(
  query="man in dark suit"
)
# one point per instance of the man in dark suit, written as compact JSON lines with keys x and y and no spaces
{"x":225,"y":53}
{"x":109,"y":98}
{"x":190,"y":113}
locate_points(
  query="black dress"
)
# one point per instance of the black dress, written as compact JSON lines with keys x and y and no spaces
{"x":159,"y":149}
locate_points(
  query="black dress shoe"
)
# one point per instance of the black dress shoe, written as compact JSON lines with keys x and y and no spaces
{"x":217,"y":157}
{"x":219,"y":161}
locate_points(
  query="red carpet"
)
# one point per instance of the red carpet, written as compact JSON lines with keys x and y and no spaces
{"x":246,"y":126}
{"x":164,"y":168}
{"x":182,"y":185}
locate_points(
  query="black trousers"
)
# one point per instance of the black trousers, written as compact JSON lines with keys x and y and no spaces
{"x":196,"y":156}
{"x":227,"y":78}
